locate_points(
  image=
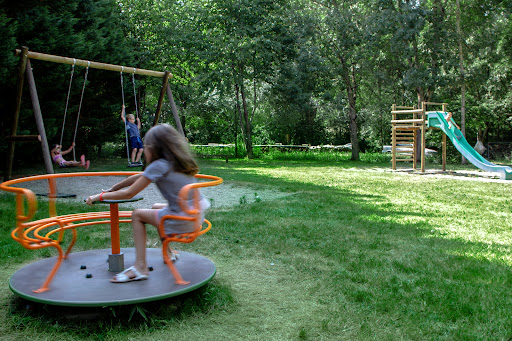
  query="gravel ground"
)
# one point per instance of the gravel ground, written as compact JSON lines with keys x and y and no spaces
{"x":224,"y":195}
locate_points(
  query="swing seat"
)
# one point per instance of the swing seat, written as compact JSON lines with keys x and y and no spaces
{"x":57,"y":195}
{"x":131,"y":165}
{"x":186,"y":193}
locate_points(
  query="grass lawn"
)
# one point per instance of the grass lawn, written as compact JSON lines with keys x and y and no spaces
{"x":354,"y":252}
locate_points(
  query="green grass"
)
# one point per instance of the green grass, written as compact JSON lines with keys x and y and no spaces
{"x":355,"y":252}
{"x":292,"y":155}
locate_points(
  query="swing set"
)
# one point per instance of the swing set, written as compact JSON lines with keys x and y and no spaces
{"x":25,"y":71}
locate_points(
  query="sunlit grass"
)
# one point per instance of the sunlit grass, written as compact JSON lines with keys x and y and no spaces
{"x":354,"y":252}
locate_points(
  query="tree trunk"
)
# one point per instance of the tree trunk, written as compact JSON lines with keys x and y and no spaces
{"x":245,"y":119}
{"x":245,"y":123}
{"x":351,"y":86}
{"x":353,"y":125}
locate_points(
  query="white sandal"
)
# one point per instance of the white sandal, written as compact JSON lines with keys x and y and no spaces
{"x":122,"y":277}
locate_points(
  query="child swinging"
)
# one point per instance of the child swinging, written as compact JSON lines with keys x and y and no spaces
{"x":58,"y":159}
{"x":57,"y":152}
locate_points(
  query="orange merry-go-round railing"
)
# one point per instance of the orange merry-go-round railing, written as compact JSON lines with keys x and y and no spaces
{"x":49,"y":232}
{"x":188,"y":199}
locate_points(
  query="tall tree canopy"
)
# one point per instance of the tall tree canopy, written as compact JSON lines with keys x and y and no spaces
{"x":289,"y":71}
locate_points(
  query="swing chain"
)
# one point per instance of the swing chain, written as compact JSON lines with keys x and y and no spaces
{"x":135,"y":94}
{"x":122,"y":85}
{"x":80,"y":106}
{"x":125,"y":118}
{"x":67,"y":100}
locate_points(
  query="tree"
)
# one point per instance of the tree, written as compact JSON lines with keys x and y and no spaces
{"x":487,"y":68}
{"x":341,"y":35}
{"x":242,"y":35}
{"x":299,"y":83}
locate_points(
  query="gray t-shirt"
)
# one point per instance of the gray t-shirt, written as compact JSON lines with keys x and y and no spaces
{"x":168,"y":181}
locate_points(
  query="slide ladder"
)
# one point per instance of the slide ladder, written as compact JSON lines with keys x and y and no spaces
{"x":437,"y":119}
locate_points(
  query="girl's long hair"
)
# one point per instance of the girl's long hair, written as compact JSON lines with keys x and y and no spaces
{"x":166,"y":142}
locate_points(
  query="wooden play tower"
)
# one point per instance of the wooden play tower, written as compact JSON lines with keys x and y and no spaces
{"x":409,"y":125}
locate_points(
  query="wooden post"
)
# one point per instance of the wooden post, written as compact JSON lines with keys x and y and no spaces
{"x":19,"y":92}
{"x":161,"y":98}
{"x":174,"y":110}
{"x":393,"y":138}
{"x":444,"y":151}
{"x":417,"y":144}
{"x":414,"y":144}
{"x":39,"y":119}
{"x":423,"y":130}
{"x":444,"y":144}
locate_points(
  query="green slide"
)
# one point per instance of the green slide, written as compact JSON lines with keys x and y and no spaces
{"x":436,"y":119}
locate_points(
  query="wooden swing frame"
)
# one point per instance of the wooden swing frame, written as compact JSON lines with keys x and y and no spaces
{"x":25,"y":70}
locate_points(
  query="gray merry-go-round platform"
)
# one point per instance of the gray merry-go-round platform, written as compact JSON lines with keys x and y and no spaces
{"x":91,"y":287}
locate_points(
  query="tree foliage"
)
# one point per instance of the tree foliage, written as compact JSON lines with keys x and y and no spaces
{"x":289,"y":71}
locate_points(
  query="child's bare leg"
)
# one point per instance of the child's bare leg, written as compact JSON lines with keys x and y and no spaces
{"x":139,"y":220}
{"x":134,"y":153}
{"x":72,"y":163}
{"x":139,"y":154}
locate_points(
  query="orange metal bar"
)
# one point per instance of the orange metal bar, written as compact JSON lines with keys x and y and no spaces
{"x":53,"y":271}
{"x":73,"y":241}
{"x":165,"y":253}
{"x":52,"y":185}
{"x":114,"y":229}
